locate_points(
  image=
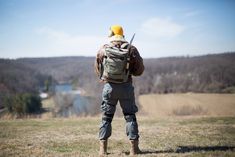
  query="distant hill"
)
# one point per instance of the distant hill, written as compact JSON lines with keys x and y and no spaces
{"x":213,"y":73}
{"x":209,"y":73}
{"x":16,"y":77}
{"x":78,"y":71}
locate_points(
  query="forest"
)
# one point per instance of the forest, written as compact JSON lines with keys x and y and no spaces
{"x":212,"y":73}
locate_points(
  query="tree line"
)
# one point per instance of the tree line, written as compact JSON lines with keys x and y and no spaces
{"x":205,"y":74}
{"x":19,"y":87}
{"x":214,"y":73}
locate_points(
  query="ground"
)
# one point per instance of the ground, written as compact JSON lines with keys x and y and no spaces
{"x":170,"y":125}
{"x":159,"y":105}
{"x":169,"y":136}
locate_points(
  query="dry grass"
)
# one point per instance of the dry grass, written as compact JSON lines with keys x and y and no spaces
{"x":188,"y":104}
{"x":78,"y":137}
{"x":161,"y":134}
{"x":48,"y":105}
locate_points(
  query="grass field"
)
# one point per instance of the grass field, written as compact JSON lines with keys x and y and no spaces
{"x":190,"y":104}
{"x":189,"y":136}
{"x":169,"y":125}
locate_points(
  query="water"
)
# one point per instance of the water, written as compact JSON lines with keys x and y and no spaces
{"x":63,"y":88}
{"x":69,"y":102}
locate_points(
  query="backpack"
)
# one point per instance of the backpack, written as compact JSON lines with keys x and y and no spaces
{"x":116,"y":63}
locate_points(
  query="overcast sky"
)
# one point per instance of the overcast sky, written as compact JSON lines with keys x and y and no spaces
{"x":47,"y":28}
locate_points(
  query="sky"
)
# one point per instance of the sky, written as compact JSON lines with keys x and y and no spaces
{"x":49,"y":28}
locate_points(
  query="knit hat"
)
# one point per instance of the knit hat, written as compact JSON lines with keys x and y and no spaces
{"x":116,"y":33}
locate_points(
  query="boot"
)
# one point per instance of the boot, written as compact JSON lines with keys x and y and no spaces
{"x":103,"y":147}
{"x":134,"y":147}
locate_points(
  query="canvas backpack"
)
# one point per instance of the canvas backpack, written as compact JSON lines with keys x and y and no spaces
{"x":116,"y":63}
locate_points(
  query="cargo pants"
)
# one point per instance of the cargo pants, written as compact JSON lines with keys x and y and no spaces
{"x":124,"y":93}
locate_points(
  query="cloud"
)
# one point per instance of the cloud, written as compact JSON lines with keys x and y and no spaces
{"x":62,"y":43}
{"x":161,"y":27}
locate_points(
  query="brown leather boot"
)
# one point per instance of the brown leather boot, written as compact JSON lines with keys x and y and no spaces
{"x":134,"y":147}
{"x":103,"y":148}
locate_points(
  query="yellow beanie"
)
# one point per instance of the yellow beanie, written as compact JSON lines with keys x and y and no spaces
{"x":116,"y":30}
{"x":116,"y":33}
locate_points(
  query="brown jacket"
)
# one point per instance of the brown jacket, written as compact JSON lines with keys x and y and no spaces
{"x":136,"y":61}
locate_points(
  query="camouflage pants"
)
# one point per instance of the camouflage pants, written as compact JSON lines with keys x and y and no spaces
{"x":124,"y":93}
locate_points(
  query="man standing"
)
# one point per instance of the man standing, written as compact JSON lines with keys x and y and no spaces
{"x":115,"y":64}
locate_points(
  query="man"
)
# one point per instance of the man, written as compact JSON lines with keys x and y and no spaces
{"x":115,"y":64}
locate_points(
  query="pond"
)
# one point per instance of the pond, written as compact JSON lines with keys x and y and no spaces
{"x":69,"y":102}
{"x":63,"y":87}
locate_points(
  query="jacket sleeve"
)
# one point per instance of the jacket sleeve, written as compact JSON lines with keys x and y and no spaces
{"x":136,"y":62}
{"x":99,"y":60}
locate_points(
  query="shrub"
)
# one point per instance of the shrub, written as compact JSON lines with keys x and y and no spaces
{"x":229,"y":90}
{"x":22,"y":104}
